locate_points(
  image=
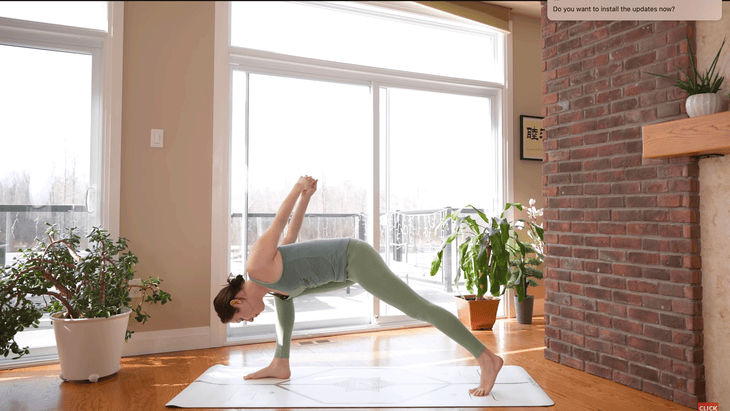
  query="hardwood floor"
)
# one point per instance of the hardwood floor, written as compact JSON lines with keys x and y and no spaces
{"x":149,"y":382}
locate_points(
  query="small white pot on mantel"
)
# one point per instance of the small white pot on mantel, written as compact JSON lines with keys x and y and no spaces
{"x":703,"y":104}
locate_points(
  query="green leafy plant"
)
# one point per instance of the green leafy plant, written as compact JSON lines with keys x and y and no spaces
{"x":89,"y":284}
{"x":527,"y":256}
{"x":484,"y":254}
{"x":698,"y":83}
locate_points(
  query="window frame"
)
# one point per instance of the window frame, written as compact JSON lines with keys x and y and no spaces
{"x":228,"y":58}
{"x":106,"y":49}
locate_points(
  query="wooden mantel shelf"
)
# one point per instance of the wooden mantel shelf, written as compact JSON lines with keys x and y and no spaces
{"x":696,"y":136}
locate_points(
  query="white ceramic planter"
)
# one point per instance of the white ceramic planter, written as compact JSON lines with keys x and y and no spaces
{"x":703,"y":104}
{"x":90,"y":348}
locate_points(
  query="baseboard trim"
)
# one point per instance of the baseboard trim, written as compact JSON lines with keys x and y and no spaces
{"x":153,"y":342}
{"x":141,"y":343}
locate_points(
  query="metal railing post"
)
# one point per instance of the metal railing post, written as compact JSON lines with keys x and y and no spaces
{"x":397,"y":236}
{"x":8,"y":236}
{"x":361,"y":229}
{"x":447,"y":262}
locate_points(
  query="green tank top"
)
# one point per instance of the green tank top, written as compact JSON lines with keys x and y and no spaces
{"x":310,"y":264}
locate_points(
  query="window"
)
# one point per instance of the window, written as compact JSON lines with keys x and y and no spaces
{"x":81,"y":14}
{"x":297,"y":127}
{"x":350,"y":32}
{"x":379,"y":105}
{"x":53,"y":132}
{"x":429,"y":140}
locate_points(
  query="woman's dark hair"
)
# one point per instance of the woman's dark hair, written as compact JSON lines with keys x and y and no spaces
{"x":222,"y":301}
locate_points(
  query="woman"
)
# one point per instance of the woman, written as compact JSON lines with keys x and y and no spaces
{"x":290,"y":270}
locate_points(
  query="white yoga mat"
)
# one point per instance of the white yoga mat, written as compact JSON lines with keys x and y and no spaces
{"x":366,"y":387}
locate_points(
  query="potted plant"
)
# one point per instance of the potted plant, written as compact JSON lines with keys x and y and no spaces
{"x":484,"y":257}
{"x":89,"y":295}
{"x":702,"y":89}
{"x":527,"y":257}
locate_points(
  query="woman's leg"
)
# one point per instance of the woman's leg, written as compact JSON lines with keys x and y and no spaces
{"x":367,"y":268}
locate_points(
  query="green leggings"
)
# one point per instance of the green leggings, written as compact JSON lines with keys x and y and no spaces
{"x":367,"y":268}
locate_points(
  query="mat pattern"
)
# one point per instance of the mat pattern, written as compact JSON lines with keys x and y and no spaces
{"x":365,"y":387}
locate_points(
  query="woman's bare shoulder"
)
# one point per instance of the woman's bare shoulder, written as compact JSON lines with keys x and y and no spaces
{"x":269,"y":273}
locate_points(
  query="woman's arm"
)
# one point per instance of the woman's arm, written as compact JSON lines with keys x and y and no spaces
{"x":284,"y":326}
{"x":263,"y":251}
{"x":279,"y":367}
{"x":292,"y":233}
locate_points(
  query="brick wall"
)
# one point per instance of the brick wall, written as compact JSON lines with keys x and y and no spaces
{"x":623,"y":281}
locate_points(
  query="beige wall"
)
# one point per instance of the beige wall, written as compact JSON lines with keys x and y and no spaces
{"x":715,"y":227}
{"x":527,"y":100}
{"x":166,"y":193}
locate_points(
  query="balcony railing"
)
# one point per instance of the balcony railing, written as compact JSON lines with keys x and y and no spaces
{"x":20,"y":225}
{"x":413,"y":239}
{"x":417,"y":235}
{"x":412,"y":236}
{"x":412,"y":242}
{"x":357,"y":227}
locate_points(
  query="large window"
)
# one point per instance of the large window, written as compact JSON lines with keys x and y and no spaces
{"x":299,"y":127}
{"x":351,"y":32}
{"x":52,"y":128}
{"x":435,"y":146}
{"x":388,"y":109}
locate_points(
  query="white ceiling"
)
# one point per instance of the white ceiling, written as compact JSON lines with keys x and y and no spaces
{"x":530,"y":8}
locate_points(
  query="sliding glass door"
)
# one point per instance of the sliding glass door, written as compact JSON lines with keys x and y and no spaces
{"x":438,"y":154}
{"x":395,"y":110}
{"x":283,"y":128}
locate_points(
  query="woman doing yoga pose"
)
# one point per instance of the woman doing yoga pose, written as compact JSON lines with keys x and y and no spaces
{"x":289,"y":270}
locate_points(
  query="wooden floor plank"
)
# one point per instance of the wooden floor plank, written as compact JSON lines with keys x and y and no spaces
{"x":148,"y":382}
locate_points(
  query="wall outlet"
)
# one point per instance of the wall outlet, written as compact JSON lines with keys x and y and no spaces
{"x":135,"y":292}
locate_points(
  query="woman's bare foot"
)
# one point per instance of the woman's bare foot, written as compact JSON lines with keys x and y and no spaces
{"x":279,"y":368}
{"x":490,"y":365}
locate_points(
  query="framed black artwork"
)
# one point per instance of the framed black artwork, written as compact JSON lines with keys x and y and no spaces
{"x":531,"y":137}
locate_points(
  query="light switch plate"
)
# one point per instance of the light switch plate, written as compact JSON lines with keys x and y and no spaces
{"x":157,"y":138}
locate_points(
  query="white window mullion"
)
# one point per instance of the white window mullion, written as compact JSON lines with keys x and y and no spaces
{"x":262,"y":62}
{"x":98,"y":142}
{"x":221,"y":198}
{"x":49,"y":36}
{"x":111,"y":128}
{"x":375,"y":201}
{"x":244,"y":224}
